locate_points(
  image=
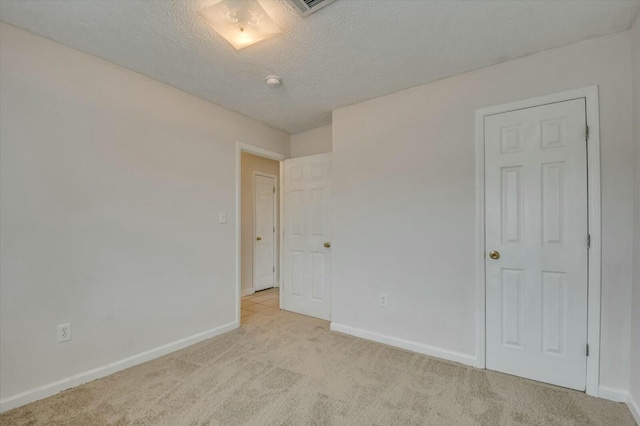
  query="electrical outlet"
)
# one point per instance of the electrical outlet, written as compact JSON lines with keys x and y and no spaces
{"x":222,"y":217}
{"x":64,"y":332}
{"x":383,"y":299}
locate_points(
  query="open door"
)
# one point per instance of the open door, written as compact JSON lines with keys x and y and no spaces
{"x":307,"y":231}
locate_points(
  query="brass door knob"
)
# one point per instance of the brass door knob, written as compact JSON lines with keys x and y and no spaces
{"x":327,"y":244}
{"x":494,"y":255}
{"x":258,"y":238}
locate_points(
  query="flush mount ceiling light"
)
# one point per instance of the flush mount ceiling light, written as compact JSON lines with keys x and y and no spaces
{"x":241,"y":22}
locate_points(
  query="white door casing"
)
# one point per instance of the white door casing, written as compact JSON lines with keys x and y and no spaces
{"x":536,"y":218}
{"x":307,"y":259}
{"x":264,"y":238}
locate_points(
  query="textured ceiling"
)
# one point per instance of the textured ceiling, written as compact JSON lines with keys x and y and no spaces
{"x":345,"y":53}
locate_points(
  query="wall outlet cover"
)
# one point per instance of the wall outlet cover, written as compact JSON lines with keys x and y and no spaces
{"x":64,"y":332}
{"x":383,"y":299}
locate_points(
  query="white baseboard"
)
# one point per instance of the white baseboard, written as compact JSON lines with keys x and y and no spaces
{"x":634,"y":407}
{"x":612,"y":394}
{"x":247,"y":292}
{"x":406,"y":344}
{"x":87,"y":376}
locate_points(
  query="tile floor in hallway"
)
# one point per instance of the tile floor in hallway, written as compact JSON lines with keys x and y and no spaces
{"x":259,"y":305}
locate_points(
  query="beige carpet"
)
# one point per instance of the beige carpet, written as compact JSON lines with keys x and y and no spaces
{"x":291,"y":370}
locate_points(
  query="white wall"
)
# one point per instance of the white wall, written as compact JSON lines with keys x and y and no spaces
{"x":249,"y":164}
{"x":311,"y":142}
{"x":634,"y":381}
{"x":111,"y":184}
{"x":404,"y":200}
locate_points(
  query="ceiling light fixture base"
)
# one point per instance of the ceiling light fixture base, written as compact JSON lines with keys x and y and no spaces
{"x":273,"y":81}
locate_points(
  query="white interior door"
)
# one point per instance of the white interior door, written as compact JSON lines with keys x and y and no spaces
{"x":307,"y":259}
{"x":264,"y":250}
{"x":536,"y":220}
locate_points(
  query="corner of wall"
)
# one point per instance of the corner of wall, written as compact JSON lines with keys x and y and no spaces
{"x":311,"y":142}
{"x":633,"y":399}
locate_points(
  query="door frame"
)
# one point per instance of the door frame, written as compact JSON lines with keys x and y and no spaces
{"x":590,"y":94}
{"x":251,"y":149}
{"x":276,"y":246}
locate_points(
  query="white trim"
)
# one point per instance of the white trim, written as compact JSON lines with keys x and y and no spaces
{"x":594,"y":275}
{"x":480,"y":246}
{"x":281,"y":231}
{"x":240,"y":148}
{"x":87,"y":376}
{"x":260,"y":152}
{"x":612,"y":394}
{"x":595,"y":230}
{"x":405,"y":344}
{"x":247,"y":292}
{"x":634,"y":407}
{"x":275,"y":222}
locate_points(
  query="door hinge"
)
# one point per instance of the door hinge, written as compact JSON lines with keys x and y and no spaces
{"x":274,"y":229}
{"x":587,"y":134}
{"x":274,"y":269}
{"x":588,"y":241}
{"x":587,"y":350}
{"x":274,"y":189}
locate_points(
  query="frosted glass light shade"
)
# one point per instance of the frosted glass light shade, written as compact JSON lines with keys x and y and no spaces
{"x":241,"y":22}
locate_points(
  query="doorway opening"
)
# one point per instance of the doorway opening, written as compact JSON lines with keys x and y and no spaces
{"x":276,"y":269}
{"x":259,"y":233}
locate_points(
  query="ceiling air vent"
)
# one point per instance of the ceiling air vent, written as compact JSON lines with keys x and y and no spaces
{"x":307,"y":7}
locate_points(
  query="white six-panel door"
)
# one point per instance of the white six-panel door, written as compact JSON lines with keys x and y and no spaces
{"x":536,"y":222}
{"x":307,"y":253}
{"x":264,"y":232}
